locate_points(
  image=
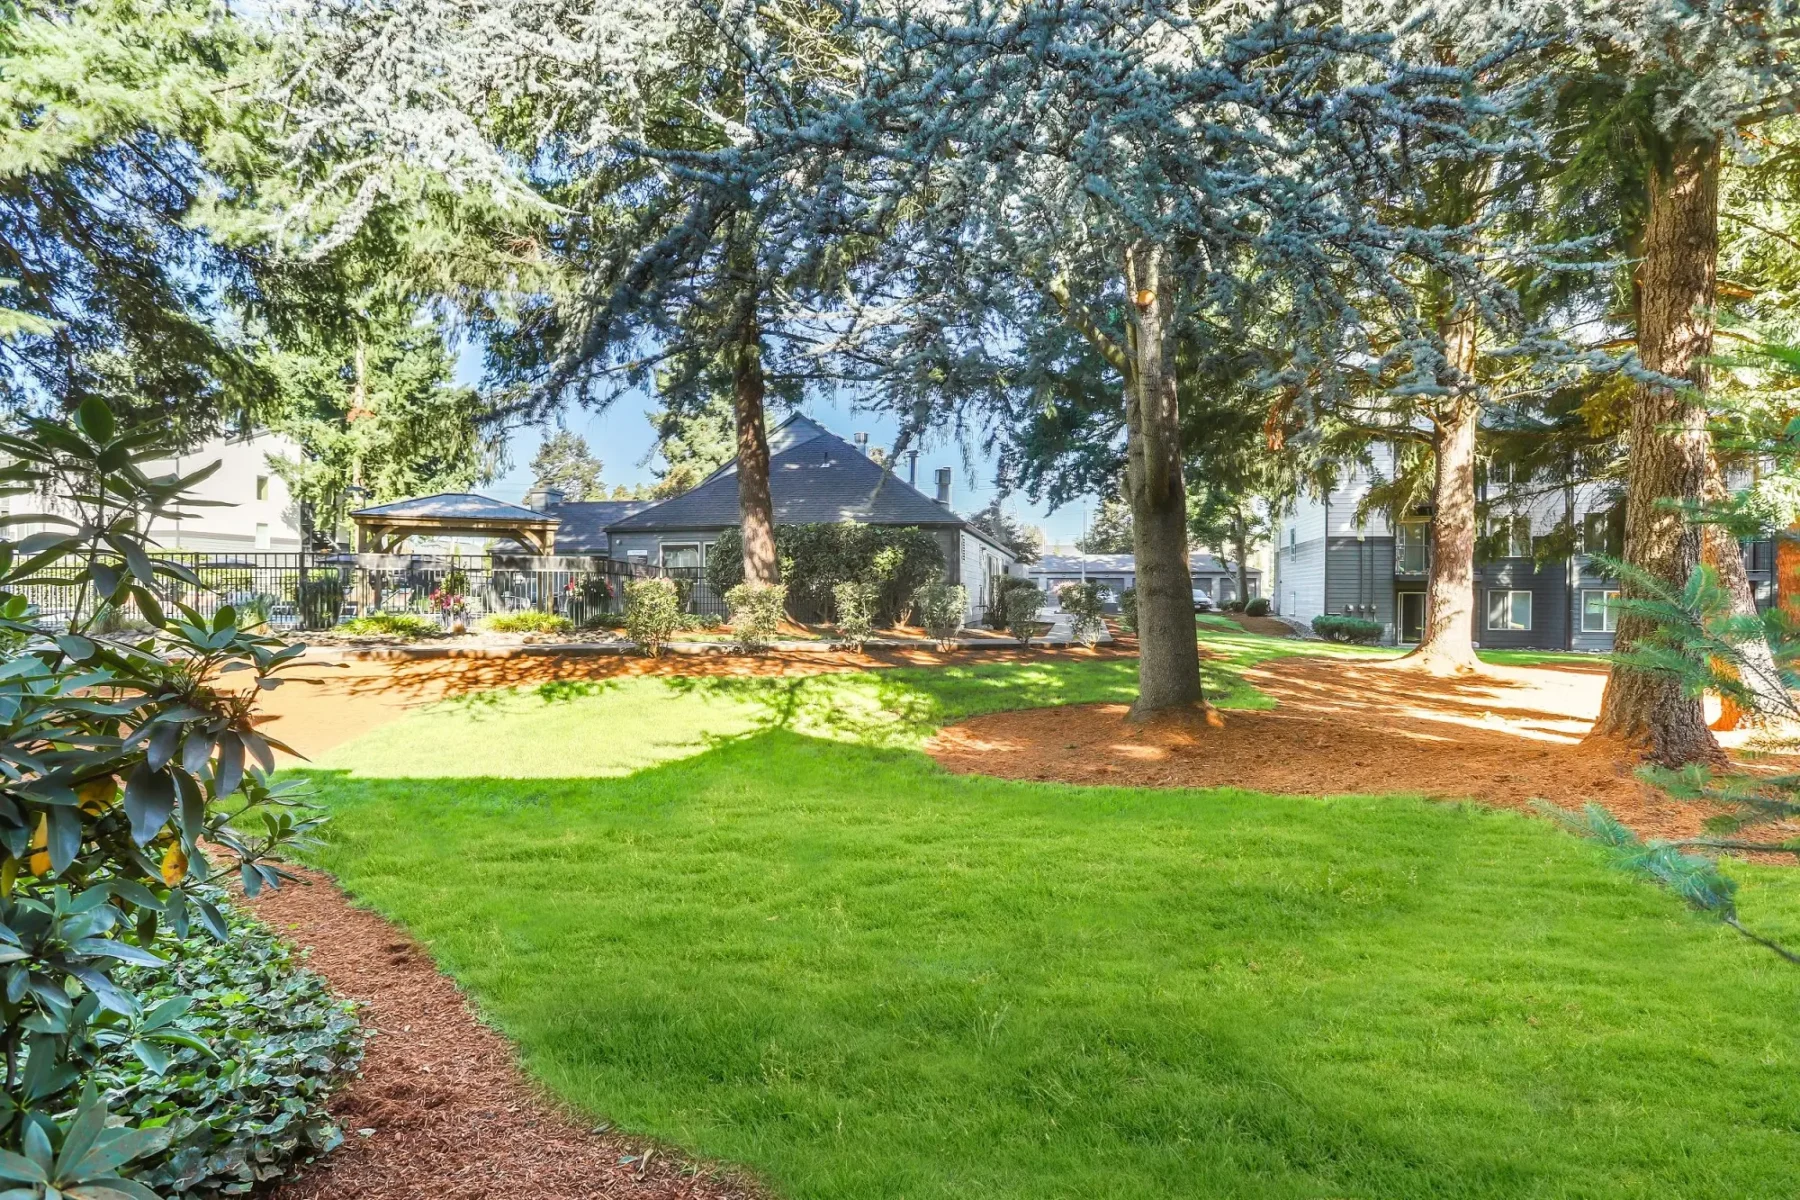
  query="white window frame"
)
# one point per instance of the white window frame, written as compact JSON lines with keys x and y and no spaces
{"x":1511,"y":611}
{"x":696,"y":547}
{"x":1609,"y":615}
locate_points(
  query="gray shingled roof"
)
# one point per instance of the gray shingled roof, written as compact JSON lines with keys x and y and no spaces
{"x":814,"y":477}
{"x":455,"y":506}
{"x":583,"y":528}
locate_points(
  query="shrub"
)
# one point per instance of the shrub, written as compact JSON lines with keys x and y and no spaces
{"x":1004,"y":587}
{"x":1232,"y":606}
{"x":527,"y":621}
{"x":1258,"y":606}
{"x":394,"y":624}
{"x":652,"y":612}
{"x":320,"y":597}
{"x":940,"y":607}
{"x":816,"y":558}
{"x":756,"y":614}
{"x":1083,"y":603}
{"x":1022,"y":606}
{"x":120,"y":764}
{"x":855,"y":604}
{"x":1128,"y":610}
{"x":280,"y":1045}
{"x":1346,"y":629}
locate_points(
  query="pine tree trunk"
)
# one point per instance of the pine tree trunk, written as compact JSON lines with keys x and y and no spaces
{"x":1243,"y":565}
{"x":755,"y":507}
{"x":1447,"y":643}
{"x":1168,"y":652}
{"x":1669,"y":446}
{"x":1720,"y":551}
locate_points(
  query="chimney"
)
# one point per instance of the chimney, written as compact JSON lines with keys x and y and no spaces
{"x":912,"y":468}
{"x":542,"y":499}
{"x":862,"y":442}
{"x":943,"y":482}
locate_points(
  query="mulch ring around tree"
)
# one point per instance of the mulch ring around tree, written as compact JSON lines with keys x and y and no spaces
{"x":441,"y":1110}
{"x":1507,"y":737}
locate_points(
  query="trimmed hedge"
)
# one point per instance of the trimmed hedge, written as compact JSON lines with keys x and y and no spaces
{"x":1258,"y":607}
{"x":280,"y":1044}
{"x":1347,"y":629}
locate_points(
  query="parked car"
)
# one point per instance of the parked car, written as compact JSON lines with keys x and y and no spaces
{"x":1202,"y":601}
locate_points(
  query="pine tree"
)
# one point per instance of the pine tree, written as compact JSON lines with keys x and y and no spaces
{"x":1658,"y":93}
{"x":563,"y":462}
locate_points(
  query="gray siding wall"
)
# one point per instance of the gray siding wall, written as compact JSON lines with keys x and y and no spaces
{"x":1588,"y":576}
{"x":1361,"y":579}
{"x":1300,"y":580}
{"x":1550,"y":609}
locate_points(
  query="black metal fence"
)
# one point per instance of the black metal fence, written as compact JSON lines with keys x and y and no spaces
{"x":295,"y":591}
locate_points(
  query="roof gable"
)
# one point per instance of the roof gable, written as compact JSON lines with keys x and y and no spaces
{"x":817,"y":478}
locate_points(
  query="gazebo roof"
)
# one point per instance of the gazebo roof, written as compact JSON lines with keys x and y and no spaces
{"x":455,"y":506}
{"x":449,"y":514}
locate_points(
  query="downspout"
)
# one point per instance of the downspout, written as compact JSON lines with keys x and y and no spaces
{"x":1569,"y":614}
{"x":1325,"y":566}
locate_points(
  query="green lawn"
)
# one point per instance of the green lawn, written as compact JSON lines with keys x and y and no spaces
{"x":749,"y":917}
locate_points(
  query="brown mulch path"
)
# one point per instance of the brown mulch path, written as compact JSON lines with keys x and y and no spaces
{"x":441,"y":1110}
{"x":1505,"y":737}
{"x":323,"y":703}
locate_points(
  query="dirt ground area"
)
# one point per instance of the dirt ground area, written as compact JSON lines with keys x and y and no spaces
{"x":327,"y":700}
{"x":441,"y":1111}
{"x":1506,"y":737}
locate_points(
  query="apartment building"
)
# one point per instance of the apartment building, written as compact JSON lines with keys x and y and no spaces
{"x":1328,"y":559}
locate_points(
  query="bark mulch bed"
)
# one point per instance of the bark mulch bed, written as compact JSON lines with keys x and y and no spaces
{"x":441,"y":1110}
{"x":1506,"y":737}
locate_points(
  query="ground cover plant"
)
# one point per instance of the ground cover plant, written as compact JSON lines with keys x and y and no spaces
{"x":392,"y":624}
{"x":528,"y":621}
{"x":749,"y":917}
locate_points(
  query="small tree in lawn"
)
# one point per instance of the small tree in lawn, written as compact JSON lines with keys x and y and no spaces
{"x":652,"y":613}
{"x":1086,"y":609}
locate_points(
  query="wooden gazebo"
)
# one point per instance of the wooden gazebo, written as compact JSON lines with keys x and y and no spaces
{"x":381,"y":529}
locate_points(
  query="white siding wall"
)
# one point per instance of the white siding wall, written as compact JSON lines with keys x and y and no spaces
{"x":247,"y":523}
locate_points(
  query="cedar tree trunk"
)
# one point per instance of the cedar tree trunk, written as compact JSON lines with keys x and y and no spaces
{"x":755,"y":508}
{"x":1168,"y":652}
{"x":1447,"y":643}
{"x":1669,"y":446}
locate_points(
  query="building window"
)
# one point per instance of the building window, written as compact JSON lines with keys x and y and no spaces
{"x":262,"y":487}
{"x":1291,"y":534}
{"x":1599,"y":613}
{"x":262,"y":536}
{"x":1509,"y":536}
{"x":684,"y":556}
{"x":1509,"y":609}
{"x":1413,"y":548}
{"x":1600,"y":534}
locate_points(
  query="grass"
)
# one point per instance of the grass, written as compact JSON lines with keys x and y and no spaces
{"x":748,"y":917}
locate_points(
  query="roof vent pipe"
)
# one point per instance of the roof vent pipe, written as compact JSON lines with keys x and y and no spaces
{"x":943,"y":486}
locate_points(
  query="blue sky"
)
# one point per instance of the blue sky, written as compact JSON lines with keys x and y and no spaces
{"x":622,"y":438}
